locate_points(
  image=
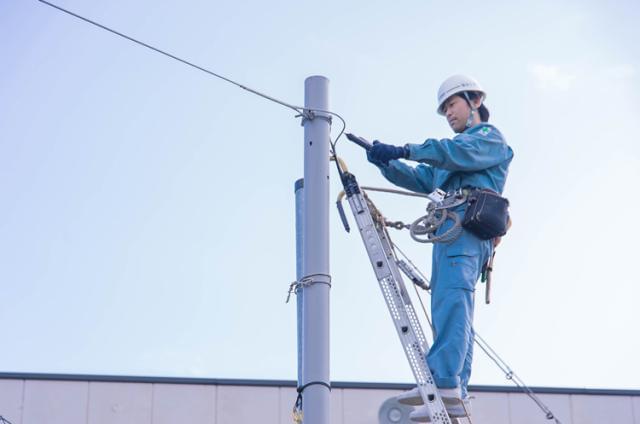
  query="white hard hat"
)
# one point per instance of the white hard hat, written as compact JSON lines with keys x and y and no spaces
{"x":457,"y":84}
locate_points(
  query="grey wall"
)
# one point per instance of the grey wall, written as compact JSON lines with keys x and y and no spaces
{"x":49,"y":401}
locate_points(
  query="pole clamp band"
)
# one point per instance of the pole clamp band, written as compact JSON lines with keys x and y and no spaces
{"x":297,"y":407}
{"x":307,"y":281}
{"x":310,"y":115}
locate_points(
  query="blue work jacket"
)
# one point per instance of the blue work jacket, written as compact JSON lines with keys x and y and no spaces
{"x":478,"y":157}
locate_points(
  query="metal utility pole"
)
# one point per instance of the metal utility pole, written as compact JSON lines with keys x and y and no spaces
{"x":316,"y":281}
{"x":299,"y":193}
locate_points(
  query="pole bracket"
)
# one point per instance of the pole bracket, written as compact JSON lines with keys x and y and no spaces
{"x":307,"y":281}
{"x":310,"y":115}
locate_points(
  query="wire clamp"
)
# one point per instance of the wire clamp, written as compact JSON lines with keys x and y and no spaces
{"x":310,"y":115}
{"x":307,"y":281}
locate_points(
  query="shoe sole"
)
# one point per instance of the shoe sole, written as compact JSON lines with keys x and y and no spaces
{"x":416,"y":400}
{"x":411,"y":401}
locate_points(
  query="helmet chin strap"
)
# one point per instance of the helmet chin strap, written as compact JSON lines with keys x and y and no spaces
{"x":469,"y":122}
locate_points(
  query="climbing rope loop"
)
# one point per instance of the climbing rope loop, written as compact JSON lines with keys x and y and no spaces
{"x":429,"y":224}
{"x":432,"y":227}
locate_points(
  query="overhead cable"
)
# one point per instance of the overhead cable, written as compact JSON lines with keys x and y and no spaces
{"x":300,"y":110}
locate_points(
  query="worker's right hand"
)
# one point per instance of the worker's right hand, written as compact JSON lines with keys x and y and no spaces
{"x":380,"y":153}
{"x":373,"y":160}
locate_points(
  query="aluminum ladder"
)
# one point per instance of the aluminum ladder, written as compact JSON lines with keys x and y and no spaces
{"x":403,"y":314}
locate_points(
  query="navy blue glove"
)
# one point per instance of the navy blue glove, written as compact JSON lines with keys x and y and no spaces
{"x":380,"y":153}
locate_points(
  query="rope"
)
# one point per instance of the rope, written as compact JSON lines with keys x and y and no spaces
{"x":3,"y":420}
{"x":429,"y":224}
{"x":393,"y":191}
{"x":426,"y":225}
{"x":510,"y":375}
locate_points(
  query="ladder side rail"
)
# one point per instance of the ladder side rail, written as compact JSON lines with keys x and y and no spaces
{"x":406,"y":300}
{"x":399,"y":305}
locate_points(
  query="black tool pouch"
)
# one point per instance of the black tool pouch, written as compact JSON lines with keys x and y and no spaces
{"x":487,"y":214}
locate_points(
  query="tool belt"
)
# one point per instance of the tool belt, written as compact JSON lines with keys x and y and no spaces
{"x":487,"y":214}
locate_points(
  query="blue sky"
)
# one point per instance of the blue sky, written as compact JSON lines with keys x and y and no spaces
{"x":147,"y":224}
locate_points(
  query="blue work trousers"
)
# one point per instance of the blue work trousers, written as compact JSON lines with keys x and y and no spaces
{"x":456,"y":267}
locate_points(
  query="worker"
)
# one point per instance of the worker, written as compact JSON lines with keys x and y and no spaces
{"x":477,"y":157}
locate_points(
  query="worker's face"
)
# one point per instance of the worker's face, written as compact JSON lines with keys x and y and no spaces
{"x":457,"y":111}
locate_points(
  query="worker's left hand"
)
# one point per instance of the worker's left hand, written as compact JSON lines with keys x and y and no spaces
{"x":383,"y":153}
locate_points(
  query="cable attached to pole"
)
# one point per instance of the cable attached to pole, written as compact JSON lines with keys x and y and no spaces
{"x":305,"y":113}
{"x":157,"y":50}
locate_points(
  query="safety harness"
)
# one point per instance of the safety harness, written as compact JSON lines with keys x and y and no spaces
{"x":486,"y":216}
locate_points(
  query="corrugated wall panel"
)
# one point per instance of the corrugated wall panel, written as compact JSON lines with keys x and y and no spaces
{"x":119,"y":403}
{"x":179,"y":403}
{"x":337,"y":406}
{"x":287,"y":398}
{"x":361,"y":406}
{"x":165,"y":401}
{"x":588,"y":409}
{"x":247,"y":405}
{"x":524,"y":411}
{"x":11,"y":400}
{"x":636,"y":410}
{"x":490,"y":408}
{"x":55,"y":402}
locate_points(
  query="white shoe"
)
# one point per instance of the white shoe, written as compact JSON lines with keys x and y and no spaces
{"x":451,"y":396}
{"x":420,"y":415}
{"x":412,"y":397}
{"x":455,"y":410}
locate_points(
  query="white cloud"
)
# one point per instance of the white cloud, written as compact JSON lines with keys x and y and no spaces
{"x":553,"y":77}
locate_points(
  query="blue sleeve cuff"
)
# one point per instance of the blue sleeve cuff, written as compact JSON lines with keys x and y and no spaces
{"x":407,"y":150}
